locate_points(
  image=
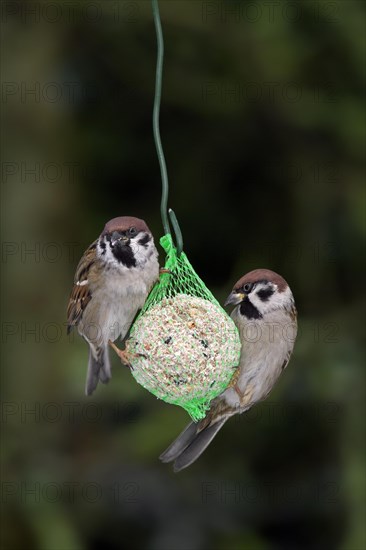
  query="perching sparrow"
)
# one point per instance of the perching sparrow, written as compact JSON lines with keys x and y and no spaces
{"x":112,"y":281}
{"x":267,"y":322}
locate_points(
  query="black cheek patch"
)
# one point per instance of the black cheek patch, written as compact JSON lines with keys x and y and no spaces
{"x":265,"y":294}
{"x":144,"y":240}
{"x":249,"y":311}
{"x":103,"y":246}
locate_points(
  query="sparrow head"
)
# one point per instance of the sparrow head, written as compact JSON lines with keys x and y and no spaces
{"x":259,"y":292}
{"x":126,"y":241}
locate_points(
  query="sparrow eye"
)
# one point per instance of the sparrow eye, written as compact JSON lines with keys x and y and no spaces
{"x":248,"y":287}
{"x":132,"y":231}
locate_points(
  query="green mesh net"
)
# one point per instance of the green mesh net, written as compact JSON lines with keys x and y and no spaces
{"x":183,"y":346}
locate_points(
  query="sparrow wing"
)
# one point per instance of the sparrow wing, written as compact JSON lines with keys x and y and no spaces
{"x":81,"y":295}
{"x":293,"y":315}
{"x":287,"y":360}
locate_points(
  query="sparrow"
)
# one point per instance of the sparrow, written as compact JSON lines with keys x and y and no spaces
{"x":266,"y":318}
{"x":111,"y":283}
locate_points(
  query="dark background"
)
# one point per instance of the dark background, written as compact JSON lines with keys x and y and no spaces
{"x":263,"y":127}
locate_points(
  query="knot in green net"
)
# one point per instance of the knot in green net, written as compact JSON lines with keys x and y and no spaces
{"x":183,"y":346}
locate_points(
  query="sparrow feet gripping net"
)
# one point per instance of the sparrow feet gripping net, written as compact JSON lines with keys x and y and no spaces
{"x":183,"y":346}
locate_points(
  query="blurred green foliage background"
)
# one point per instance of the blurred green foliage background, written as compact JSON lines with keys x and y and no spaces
{"x":263,"y":126}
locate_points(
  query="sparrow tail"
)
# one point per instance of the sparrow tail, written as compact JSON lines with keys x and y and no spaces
{"x":190,"y":444}
{"x":98,"y":370}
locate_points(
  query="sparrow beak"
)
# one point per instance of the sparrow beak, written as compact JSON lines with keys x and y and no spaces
{"x":124,"y":240}
{"x":235,"y":298}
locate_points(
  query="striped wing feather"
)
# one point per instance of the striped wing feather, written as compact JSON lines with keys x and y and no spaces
{"x":80,"y":294}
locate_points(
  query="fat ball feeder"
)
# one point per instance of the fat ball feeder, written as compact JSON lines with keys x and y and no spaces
{"x":183,"y":347}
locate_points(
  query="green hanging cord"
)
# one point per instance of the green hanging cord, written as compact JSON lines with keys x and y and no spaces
{"x":156,"y":129}
{"x":170,"y":354}
{"x":177,"y":231}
